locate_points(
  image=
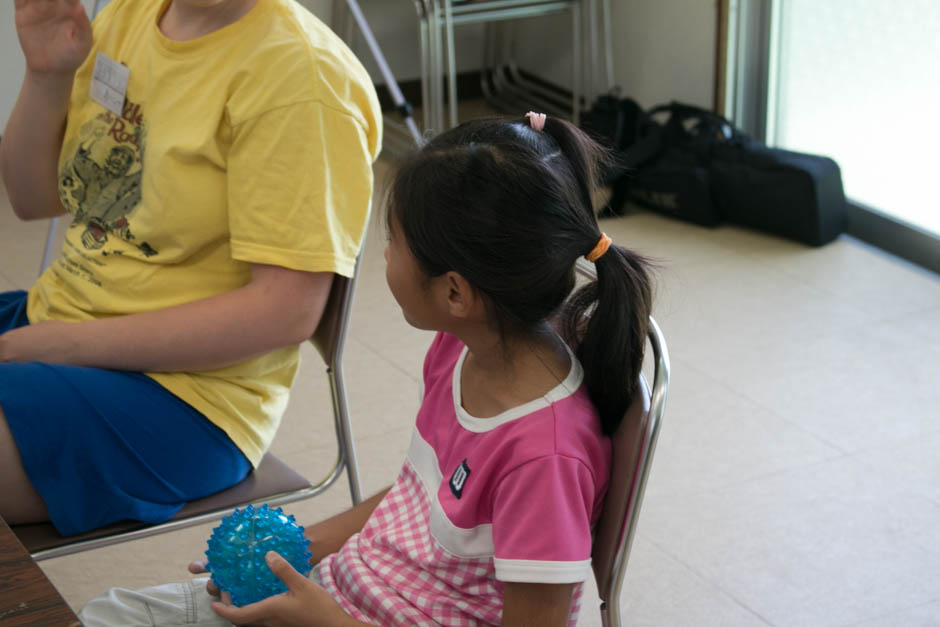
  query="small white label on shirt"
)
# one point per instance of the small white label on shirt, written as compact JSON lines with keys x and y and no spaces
{"x":109,"y":83}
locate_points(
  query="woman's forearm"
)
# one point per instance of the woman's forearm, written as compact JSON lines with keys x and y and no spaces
{"x":280,"y":307}
{"x":29,"y":152}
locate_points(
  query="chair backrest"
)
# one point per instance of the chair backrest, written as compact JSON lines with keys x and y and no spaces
{"x":626,"y":446}
{"x":633,"y":445}
{"x":330,"y":335}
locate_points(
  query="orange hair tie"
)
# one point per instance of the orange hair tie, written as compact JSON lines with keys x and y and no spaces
{"x":602,"y":245}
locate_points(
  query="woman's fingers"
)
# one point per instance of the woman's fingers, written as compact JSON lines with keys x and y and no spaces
{"x":198,"y":567}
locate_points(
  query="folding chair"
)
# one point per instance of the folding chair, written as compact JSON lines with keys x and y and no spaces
{"x":439,"y":55}
{"x":501,"y":81}
{"x":273,"y":482}
{"x":633,"y":447}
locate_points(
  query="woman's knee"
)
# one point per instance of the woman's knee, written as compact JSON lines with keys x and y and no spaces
{"x":169,"y":604}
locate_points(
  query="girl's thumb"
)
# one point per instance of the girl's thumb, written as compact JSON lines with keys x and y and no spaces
{"x":282,"y":568}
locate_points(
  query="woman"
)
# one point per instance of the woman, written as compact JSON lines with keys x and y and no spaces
{"x":216,"y":158}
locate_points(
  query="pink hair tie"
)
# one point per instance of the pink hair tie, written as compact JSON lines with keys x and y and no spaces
{"x":536,"y":120}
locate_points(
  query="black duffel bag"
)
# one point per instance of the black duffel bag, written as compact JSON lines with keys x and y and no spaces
{"x":654,"y":165}
{"x":694,"y":165}
{"x":790,"y":194}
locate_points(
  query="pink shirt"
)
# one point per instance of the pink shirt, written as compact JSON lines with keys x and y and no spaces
{"x":478,"y":502}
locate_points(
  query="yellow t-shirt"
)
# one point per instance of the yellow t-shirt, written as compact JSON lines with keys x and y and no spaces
{"x":253,"y":144}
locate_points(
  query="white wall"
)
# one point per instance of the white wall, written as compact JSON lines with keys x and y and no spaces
{"x":663,"y":49}
{"x":12,"y":65}
{"x":11,"y":57}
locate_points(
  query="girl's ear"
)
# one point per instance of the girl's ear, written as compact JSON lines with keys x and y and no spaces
{"x":463,"y":300}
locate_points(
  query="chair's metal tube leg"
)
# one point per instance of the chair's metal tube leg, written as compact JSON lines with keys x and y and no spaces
{"x":390,"y":81}
{"x":425,"y":65}
{"x":576,"y":65}
{"x":344,"y":431}
{"x":50,"y":245}
{"x":608,"y":44}
{"x":589,"y":52}
{"x":451,"y":63}
{"x":436,"y":66}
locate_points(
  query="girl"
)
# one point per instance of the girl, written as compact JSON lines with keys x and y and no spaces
{"x":489,"y":520}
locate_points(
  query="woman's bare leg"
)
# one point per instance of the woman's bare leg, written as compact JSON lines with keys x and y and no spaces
{"x":20,"y":502}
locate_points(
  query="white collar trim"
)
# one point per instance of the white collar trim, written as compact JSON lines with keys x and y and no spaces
{"x":481,"y":425}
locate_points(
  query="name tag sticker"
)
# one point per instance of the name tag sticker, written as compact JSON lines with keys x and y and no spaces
{"x":109,"y":83}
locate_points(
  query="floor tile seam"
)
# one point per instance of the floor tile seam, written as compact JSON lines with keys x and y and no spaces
{"x":893,"y":317}
{"x":890,"y":613}
{"x":748,"y":480}
{"x":923,"y":494}
{"x":727,"y":487}
{"x":894,"y":444}
{"x":705,"y":579}
{"x":739,"y":394}
{"x":664,"y":265}
{"x":827,"y":292}
{"x":7,"y":281}
{"x":388,"y":361}
{"x":811,"y":465}
{"x":762,"y":477}
{"x":890,"y":257}
{"x":823,"y":289}
{"x":383,"y":434}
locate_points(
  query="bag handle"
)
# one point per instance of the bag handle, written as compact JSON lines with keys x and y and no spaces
{"x":679,"y":113}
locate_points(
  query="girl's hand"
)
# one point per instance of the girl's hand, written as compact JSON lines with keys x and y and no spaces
{"x":304,"y":604}
{"x":55,"y":34}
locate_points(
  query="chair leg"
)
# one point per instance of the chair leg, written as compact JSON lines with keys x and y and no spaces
{"x":425,"y":38}
{"x":50,"y":243}
{"x":344,"y":431}
{"x":451,"y":64}
{"x":608,"y":44}
{"x":576,"y":64}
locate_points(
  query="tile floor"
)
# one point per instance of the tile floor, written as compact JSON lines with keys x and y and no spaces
{"x":796,"y":480}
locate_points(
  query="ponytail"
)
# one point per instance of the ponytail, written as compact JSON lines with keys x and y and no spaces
{"x":607,"y":321}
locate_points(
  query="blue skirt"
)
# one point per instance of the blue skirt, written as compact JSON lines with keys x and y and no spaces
{"x":104,"y":445}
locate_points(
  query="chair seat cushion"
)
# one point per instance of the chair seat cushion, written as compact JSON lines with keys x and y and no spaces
{"x":272,"y":477}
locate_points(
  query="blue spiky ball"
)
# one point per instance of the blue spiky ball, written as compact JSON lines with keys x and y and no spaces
{"x":238,"y":545}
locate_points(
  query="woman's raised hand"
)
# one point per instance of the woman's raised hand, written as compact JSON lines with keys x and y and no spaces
{"x":55,"y":34}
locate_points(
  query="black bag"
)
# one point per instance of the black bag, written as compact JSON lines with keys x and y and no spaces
{"x":613,"y":121}
{"x":697,"y":167}
{"x":791,"y":194}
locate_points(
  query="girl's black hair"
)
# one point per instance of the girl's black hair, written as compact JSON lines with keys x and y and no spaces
{"x":510,"y":209}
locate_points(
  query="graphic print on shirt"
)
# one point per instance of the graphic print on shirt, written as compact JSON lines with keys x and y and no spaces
{"x":101,"y":183}
{"x":459,"y":479}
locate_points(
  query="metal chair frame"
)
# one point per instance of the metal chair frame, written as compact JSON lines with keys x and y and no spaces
{"x":610,"y":593}
{"x":618,"y":523}
{"x":501,"y":81}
